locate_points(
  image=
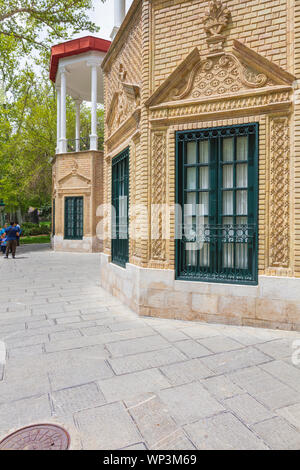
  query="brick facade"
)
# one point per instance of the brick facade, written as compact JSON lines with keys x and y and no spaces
{"x":78,"y":174}
{"x":161,"y":77}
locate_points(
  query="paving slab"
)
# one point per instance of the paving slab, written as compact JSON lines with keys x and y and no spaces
{"x":186,"y":372}
{"x":24,"y":412}
{"x":223,"y":432}
{"x":147,"y":360}
{"x":107,"y":427}
{"x":267,"y":389}
{"x":134,"y":346}
{"x":192,"y":349}
{"x":189,"y":402}
{"x":291,"y":414}
{"x":249,"y":410}
{"x":233,"y":360}
{"x":286,"y":373}
{"x":220,"y":344}
{"x":73,"y":399}
{"x":278,"y":434}
{"x":126,"y":386}
{"x":78,"y":357}
{"x":221,"y":387}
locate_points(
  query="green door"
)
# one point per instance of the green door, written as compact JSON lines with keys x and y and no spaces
{"x":120,"y":195}
{"x":74,"y":218}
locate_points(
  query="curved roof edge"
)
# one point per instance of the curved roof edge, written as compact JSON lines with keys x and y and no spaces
{"x":75,"y":47}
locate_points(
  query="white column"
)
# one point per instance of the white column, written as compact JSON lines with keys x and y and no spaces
{"x":119,"y":15}
{"x":77,"y":132}
{"x":63,"y":126}
{"x":94,"y":64}
{"x":58,"y":119}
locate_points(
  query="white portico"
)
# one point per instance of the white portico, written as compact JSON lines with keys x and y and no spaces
{"x":76,"y":71}
{"x":77,"y":167}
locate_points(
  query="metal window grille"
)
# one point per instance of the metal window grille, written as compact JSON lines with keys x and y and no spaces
{"x":216,"y":185}
{"x":74,"y":218}
{"x":120,"y":202}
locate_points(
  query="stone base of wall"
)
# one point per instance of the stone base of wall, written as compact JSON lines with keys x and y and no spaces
{"x":274,"y":303}
{"x":86,"y":245}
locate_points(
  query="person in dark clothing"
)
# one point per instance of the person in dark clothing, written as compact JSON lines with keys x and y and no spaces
{"x":11,"y":239}
{"x":20,"y":231}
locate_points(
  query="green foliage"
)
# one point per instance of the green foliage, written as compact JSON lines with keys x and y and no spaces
{"x":28,"y":114}
{"x":30,"y":229}
{"x":28,"y":141}
{"x":31,"y":240}
{"x":28,"y":28}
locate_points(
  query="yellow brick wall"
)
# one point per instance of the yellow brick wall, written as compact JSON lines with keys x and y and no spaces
{"x":129,"y":54}
{"x":168,"y":30}
{"x":177,"y":28}
{"x":296,"y":150}
{"x":67,"y":172}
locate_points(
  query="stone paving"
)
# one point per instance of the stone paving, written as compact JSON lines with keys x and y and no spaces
{"x":77,"y":357}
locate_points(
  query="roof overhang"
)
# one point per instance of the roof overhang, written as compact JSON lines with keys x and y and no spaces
{"x":73,"y":48}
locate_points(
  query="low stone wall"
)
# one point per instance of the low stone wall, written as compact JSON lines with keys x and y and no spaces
{"x":273,"y":303}
{"x":86,"y":245}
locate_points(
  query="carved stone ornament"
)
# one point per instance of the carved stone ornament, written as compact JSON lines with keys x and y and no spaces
{"x":215,"y":21}
{"x":217,"y":76}
{"x":125,"y":100}
{"x":74,"y":167}
{"x":74,"y":173}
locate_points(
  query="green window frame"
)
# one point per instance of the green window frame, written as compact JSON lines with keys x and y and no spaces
{"x":74,"y":218}
{"x":217,"y":189}
{"x":120,"y":203}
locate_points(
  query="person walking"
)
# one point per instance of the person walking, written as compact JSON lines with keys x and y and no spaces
{"x":3,"y":239}
{"x":11,"y":239}
{"x":19,"y":231}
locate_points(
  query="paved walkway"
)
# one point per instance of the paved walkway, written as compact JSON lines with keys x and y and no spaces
{"x":77,"y":357}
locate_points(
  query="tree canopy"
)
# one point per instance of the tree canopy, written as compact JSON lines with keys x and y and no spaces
{"x":28,"y":113}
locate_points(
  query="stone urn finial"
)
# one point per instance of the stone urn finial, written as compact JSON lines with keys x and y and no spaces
{"x":215,"y":20}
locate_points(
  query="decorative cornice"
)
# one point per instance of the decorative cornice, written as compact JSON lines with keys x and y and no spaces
{"x":246,"y":103}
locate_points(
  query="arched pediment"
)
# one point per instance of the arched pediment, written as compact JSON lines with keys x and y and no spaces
{"x":219,"y":75}
{"x":74,"y":178}
{"x":124,"y":102}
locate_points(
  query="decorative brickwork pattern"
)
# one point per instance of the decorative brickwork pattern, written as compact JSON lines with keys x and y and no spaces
{"x":178,"y":27}
{"x":279,"y":192}
{"x":220,"y":75}
{"x":158,"y":195}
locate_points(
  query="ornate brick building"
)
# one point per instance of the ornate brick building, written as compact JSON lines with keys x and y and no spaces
{"x":202,"y":159}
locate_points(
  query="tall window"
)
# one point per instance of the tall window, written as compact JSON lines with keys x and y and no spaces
{"x":74,"y":218}
{"x":120,"y":193}
{"x":217,"y":190}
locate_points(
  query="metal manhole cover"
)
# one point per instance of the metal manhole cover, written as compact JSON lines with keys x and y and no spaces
{"x":37,"y":437}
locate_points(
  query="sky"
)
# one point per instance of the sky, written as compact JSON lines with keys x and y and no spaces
{"x":103,"y":16}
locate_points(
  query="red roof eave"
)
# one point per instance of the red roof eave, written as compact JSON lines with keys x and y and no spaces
{"x":75,"y":47}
